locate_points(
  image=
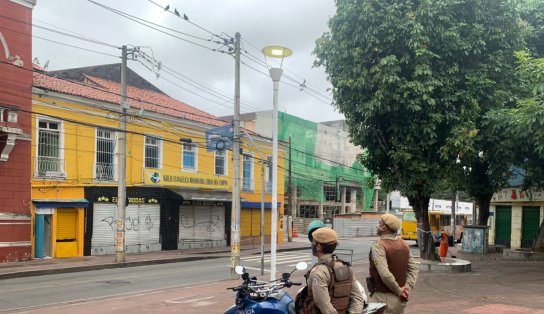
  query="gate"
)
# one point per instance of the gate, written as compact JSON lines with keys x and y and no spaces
{"x":530,"y":222}
{"x":503,"y":225}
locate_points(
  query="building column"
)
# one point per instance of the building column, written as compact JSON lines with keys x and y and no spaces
{"x":491,"y":229}
{"x":515,"y":237}
{"x":353,"y":200}
{"x":320,"y":211}
{"x":295,"y":210}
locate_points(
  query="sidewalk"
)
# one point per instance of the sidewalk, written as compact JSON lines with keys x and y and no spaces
{"x":49,"y":266}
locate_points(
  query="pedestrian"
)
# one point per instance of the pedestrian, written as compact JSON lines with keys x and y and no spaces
{"x":393,"y":271}
{"x":443,"y":245}
{"x":330,"y":284}
{"x":313,"y":226}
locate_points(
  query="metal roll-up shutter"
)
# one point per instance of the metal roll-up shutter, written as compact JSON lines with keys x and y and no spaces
{"x":149,"y":224}
{"x":186,"y":223}
{"x":132,"y":225}
{"x":66,"y":224}
{"x":217,"y":223}
{"x":103,"y":237}
{"x":203,"y":226}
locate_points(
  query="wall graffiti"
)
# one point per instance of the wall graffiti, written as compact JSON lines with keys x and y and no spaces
{"x":212,"y":224}
{"x":131,"y":222}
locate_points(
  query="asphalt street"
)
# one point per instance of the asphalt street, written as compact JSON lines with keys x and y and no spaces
{"x":493,"y":286}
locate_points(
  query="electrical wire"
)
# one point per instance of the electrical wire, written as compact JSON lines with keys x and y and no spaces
{"x":87,"y":39}
{"x":140,"y":21}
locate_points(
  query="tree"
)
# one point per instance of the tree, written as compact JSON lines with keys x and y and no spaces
{"x":523,"y":128}
{"x":412,"y":79}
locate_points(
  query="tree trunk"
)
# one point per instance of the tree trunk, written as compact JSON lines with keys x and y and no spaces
{"x":420,"y":206}
{"x":538,"y":245}
{"x":484,"y":202}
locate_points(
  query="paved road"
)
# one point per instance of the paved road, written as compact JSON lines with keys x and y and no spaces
{"x":493,"y":286}
{"x":51,"y":290}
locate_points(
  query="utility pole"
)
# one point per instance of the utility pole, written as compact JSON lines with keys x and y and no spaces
{"x":292,"y":208}
{"x":262,"y":215}
{"x":122,"y":168}
{"x":235,"y":214}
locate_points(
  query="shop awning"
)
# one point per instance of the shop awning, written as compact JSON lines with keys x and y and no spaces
{"x":258,"y":204}
{"x":199,"y":195}
{"x":56,"y":203}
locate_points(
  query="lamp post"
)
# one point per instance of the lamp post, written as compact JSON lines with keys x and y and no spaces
{"x":275,"y":73}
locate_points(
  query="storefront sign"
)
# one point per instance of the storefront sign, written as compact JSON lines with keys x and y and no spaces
{"x":186,"y":179}
{"x":202,"y":203}
{"x":517,"y":195}
{"x":130,"y":200}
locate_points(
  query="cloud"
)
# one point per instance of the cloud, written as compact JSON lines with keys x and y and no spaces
{"x":295,"y":24}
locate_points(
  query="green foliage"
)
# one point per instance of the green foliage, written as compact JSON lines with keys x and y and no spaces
{"x":532,"y":23}
{"x":523,"y":126}
{"x":414,"y":78}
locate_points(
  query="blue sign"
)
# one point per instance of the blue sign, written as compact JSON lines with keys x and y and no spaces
{"x":219,"y":138}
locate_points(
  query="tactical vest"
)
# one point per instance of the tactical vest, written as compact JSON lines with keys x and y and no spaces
{"x":397,"y":253}
{"x":339,"y":288}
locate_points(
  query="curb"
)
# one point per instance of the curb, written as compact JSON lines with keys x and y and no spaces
{"x":75,"y":269}
{"x":452,"y":265}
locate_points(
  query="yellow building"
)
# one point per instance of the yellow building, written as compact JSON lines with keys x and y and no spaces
{"x":178,"y":189}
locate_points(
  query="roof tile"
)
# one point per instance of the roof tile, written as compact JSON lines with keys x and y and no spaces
{"x":109,"y":91}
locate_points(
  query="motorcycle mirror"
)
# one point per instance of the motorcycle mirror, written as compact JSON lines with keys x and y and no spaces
{"x":240,"y":270}
{"x":301,"y":266}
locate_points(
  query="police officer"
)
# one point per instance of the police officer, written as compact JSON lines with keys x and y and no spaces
{"x":331,"y":285}
{"x":313,"y":226}
{"x":393,"y":271}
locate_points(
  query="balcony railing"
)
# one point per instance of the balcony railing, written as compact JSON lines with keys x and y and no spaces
{"x":49,"y":167}
{"x":105,"y":171}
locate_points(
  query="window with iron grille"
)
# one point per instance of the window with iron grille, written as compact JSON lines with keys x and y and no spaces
{"x":189,"y":159}
{"x":49,"y":150}
{"x":152,"y":152}
{"x":220,"y":162}
{"x":105,"y":155}
{"x":247,"y":172}
{"x":348,"y":195}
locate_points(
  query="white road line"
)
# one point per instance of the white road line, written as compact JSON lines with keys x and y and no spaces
{"x":187,"y":301}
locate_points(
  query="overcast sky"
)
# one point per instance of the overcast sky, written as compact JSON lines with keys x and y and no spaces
{"x":294,"y":24}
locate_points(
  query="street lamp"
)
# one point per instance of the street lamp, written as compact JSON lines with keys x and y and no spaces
{"x":275,"y":73}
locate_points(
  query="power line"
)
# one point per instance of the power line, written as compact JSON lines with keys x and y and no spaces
{"x":94,"y":41}
{"x":76,"y":47}
{"x":143,"y":22}
{"x":186,"y":19}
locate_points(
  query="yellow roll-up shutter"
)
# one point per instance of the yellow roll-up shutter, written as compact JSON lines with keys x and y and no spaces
{"x":66,"y":224}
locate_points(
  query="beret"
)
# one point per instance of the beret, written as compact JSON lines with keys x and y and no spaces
{"x":391,"y":221}
{"x":325,"y":235}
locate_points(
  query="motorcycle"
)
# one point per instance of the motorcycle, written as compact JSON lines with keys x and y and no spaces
{"x":267,"y":297}
{"x":254,"y":296}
